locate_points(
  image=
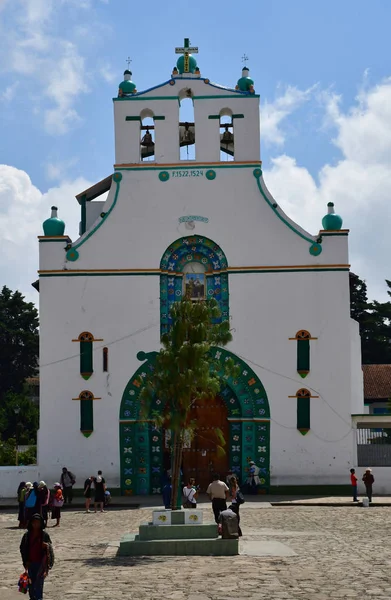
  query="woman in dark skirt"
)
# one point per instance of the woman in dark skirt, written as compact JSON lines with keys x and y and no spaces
{"x":21,"y":494}
{"x":100,"y":488}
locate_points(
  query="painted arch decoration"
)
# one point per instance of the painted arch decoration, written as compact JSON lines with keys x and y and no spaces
{"x":183,"y":252}
{"x":141,"y":444}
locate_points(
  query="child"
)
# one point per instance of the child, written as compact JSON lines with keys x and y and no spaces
{"x":368,"y":480}
{"x":57,"y":503}
{"x":353,"y":480}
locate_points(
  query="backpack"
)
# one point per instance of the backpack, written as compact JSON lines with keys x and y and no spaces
{"x":31,"y":499}
{"x":240,"y":498}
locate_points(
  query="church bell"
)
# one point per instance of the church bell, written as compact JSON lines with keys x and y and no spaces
{"x":147,"y":140}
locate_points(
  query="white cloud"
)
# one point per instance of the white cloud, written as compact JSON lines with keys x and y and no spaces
{"x":23,"y":208}
{"x":359,"y":183}
{"x":107,"y":72}
{"x":9,"y":92}
{"x":58,"y":170}
{"x":274,"y":113}
{"x":53,"y":62}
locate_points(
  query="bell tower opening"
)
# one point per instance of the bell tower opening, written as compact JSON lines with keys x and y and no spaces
{"x":187,"y":149}
{"x":227,"y":140}
{"x":147,"y":136}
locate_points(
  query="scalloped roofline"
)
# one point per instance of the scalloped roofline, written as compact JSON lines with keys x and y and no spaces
{"x":218,"y":86}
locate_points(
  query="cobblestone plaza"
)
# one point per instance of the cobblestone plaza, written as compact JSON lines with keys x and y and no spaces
{"x":317,"y":553}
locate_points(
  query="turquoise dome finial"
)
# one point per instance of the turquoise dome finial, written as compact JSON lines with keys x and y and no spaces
{"x":245,"y":83}
{"x":127,"y":86}
{"x":180,"y":63}
{"x":331,"y":221}
{"x":53,"y":226}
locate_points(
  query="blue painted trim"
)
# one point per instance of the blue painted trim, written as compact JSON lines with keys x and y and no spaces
{"x":178,"y":79}
{"x":72,"y":253}
{"x":315,"y":248}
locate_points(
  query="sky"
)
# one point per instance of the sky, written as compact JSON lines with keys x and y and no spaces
{"x":322,"y":70}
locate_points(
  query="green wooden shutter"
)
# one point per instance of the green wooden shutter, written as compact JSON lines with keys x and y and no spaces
{"x":86,"y":368}
{"x":303,"y":357}
{"x":87,"y":416}
{"x":303,"y":414}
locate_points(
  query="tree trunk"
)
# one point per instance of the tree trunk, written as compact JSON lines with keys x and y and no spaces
{"x":176,"y":470}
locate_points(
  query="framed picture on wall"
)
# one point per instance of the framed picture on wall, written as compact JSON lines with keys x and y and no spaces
{"x":195,"y":286}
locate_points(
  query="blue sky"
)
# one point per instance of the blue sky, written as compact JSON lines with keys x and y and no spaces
{"x":322,"y":70}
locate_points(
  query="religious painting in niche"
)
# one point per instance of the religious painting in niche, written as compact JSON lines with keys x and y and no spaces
{"x":195,"y":286}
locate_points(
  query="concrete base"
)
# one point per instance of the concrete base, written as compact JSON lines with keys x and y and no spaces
{"x":132,"y":545}
{"x":148,"y":531}
{"x":183,"y":537}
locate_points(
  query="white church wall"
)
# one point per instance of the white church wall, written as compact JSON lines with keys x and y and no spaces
{"x":357,"y":376}
{"x":148,"y":209}
{"x":128,"y":321}
{"x":268,"y":309}
{"x":93,"y":210}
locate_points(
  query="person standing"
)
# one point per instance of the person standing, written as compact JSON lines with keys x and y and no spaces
{"x":37,"y":555}
{"x":218,"y":492}
{"x":21,"y":494}
{"x":368,"y":480}
{"x":57,"y":503}
{"x":88,"y":492}
{"x":44,"y":496}
{"x":166,"y":493}
{"x":237,"y":499}
{"x":31,"y":501}
{"x":190,"y":495}
{"x":100,"y":488}
{"x":353,"y":480}
{"x":253,"y":478}
{"x":67,"y":481}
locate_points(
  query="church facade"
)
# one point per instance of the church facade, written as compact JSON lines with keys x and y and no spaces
{"x":188,"y":211}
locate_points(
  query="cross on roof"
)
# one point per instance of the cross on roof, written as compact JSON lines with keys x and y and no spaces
{"x":128,"y":60}
{"x":244,"y":58}
{"x":187,"y":49}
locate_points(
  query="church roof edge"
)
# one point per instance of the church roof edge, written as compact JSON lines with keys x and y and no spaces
{"x":172,"y":81}
{"x":95,"y":190}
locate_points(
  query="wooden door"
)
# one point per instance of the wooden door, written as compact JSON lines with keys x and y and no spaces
{"x":203,"y":458}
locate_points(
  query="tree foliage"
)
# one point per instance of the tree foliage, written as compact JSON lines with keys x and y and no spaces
{"x":19,"y":341}
{"x":186,"y":372}
{"x":374,"y":319}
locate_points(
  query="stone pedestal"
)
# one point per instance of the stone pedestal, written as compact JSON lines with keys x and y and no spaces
{"x":177,"y":533}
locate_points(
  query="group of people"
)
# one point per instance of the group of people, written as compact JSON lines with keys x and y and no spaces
{"x":36,"y":498}
{"x":368,"y":480}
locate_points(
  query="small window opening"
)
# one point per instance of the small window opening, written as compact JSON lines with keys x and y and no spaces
{"x":227,"y":145}
{"x":105,"y":359}
{"x":147,"y":139}
{"x":187,"y":149}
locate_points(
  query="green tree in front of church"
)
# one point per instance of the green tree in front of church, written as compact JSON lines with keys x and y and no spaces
{"x":19,"y":346}
{"x":185,"y":372}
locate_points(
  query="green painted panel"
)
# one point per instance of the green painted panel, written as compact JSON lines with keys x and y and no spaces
{"x":303,"y":413}
{"x":86,"y":416}
{"x":303,"y":356}
{"x":86,"y":363}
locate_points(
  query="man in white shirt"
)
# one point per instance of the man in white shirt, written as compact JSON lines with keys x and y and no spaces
{"x":218,"y":493}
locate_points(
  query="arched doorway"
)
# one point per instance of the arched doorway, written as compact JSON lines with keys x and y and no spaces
{"x":241,"y":408}
{"x":206,"y":448}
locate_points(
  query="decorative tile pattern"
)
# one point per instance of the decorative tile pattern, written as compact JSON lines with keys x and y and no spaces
{"x":182,"y":252}
{"x":141,"y":445}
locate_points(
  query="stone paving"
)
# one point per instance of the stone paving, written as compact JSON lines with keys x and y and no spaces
{"x":334,"y":553}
